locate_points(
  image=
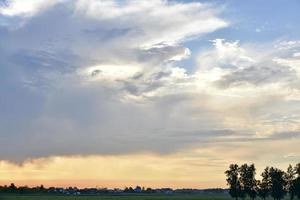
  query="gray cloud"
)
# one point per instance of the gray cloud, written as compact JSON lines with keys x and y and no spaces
{"x":78,"y":80}
{"x":258,"y":75}
{"x":50,"y":107}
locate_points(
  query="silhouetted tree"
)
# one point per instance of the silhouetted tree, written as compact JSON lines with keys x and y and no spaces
{"x":12,"y":188}
{"x":290,"y":181}
{"x":149,"y":190}
{"x":233,"y":181}
{"x":278,"y":183}
{"x":264,"y":184}
{"x":297,"y":169}
{"x":248,"y":181}
{"x":297,"y":181}
{"x":129,"y":190}
{"x":24,"y":190}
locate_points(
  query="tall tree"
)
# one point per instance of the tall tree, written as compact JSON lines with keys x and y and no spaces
{"x":264,"y":184}
{"x":297,"y":169}
{"x":247,"y":180}
{"x":290,"y":181}
{"x":297,"y":181}
{"x":278,"y":183}
{"x":233,"y":181}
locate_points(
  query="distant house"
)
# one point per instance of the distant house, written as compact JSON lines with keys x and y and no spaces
{"x":138,"y":189}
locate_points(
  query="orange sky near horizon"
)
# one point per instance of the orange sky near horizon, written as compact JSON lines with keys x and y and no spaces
{"x":156,"y":171}
{"x":193,"y":168}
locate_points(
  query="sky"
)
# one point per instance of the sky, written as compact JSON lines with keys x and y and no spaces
{"x":157,"y":93}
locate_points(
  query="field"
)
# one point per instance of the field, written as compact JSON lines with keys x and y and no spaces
{"x":120,"y":197}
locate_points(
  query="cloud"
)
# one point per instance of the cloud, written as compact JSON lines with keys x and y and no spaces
{"x":24,"y":8}
{"x":258,"y":75}
{"x":226,"y":55}
{"x":245,"y":64}
{"x":291,"y":44}
{"x":78,"y":80}
{"x":87,"y":81}
{"x":193,"y":19}
{"x":263,"y":87}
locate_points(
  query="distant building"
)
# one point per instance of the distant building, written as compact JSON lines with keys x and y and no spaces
{"x":138,"y":189}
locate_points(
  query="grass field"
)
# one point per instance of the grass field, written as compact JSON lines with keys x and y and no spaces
{"x":120,"y":197}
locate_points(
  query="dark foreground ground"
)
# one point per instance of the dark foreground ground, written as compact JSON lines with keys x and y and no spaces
{"x":120,"y":197}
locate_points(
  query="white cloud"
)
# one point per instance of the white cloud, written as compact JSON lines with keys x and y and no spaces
{"x":225,"y":55}
{"x":284,"y":45}
{"x":155,"y":20}
{"x":25,"y":7}
{"x":293,"y":62}
{"x":258,"y":30}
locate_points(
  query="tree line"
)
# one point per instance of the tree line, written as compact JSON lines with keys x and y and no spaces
{"x":274,"y":182}
{"x":12,"y":189}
